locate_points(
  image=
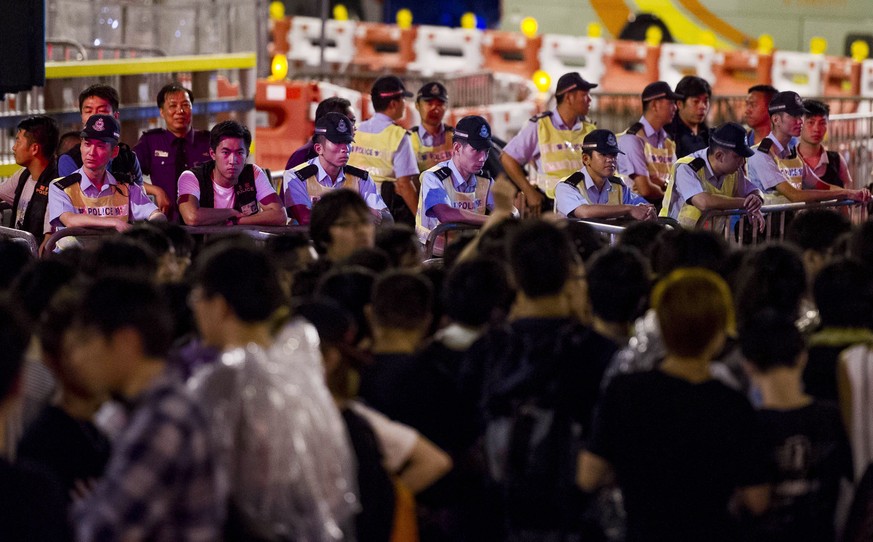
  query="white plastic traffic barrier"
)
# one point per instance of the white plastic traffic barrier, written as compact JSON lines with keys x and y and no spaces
{"x":304,"y":38}
{"x":800,"y":72}
{"x":678,"y":60}
{"x":447,"y":50}
{"x":560,"y":54}
{"x":867,"y":78}
{"x":507,"y":119}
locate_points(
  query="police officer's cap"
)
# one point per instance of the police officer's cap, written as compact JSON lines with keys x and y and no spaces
{"x":336,"y":127}
{"x":572,"y":81}
{"x":602,"y":141}
{"x":731,"y":135}
{"x":103,"y":128}
{"x":474,"y":130}
{"x":787,"y":102}
{"x":659,"y":90}
{"x":389,"y":87}
{"x":433,"y":91}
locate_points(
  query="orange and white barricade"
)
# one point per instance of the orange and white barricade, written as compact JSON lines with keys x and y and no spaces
{"x":511,"y":52}
{"x":842,"y":77}
{"x":560,"y":54}
{"x":443,"y":50}
{"x":736,"y":71}
{"x":630,"y":66}
{"x":381,"y":46}
{"x":304,"y":38}
{"x":287,"y":106}
{"x":800,"y":72}
{"x":679,"y":59}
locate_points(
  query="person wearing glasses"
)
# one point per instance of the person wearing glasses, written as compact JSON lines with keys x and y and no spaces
{"x":164,"y":153}
{"x":594,"y":191}
{"x":457,"y":190}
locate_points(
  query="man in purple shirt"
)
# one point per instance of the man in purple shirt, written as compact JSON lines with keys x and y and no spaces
{"x":165,"y":153}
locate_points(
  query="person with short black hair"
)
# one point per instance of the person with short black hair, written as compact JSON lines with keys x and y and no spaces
{"x":227,"y":190}
{"x":457,"y":190}
{"x":688,"y":127}
{"x":830,"y":166}
{"x":164,"y":153}
{"x":160,"y":482}
{"x":776,"y":167}
{"x":594,"y":191}
{"x":544,"y":142}
{"x":383,"y":149}
{"x":340,"y":223}
{"x":333,"y":104}
{"x":681,"y":445}
{"x":400,"y":245}
{"x":329,"y":170}
{"x":618,"y":287}
{"x":815,"y":232}
{"x":714,"y":178}
{"x":27,"y":190}
{"x":755,"y":115}
{"x":808,"y":447}
{"x":647,"y":150}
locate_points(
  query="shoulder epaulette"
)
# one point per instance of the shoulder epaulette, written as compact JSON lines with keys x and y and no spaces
{"x":765,"y":145}
{"x":792,"y":153}
{"x":306,"y":172}
{"x":153,"y":131}
{"x":355,"y":171}
{"x":575,"y":178}
{"x":542,"y":115}
{"x":412,"y":130}
{"x":482,"y":174}
{"x":450,"y":129}
{"x":634,"y":128}
{"x":697,"y":164}
{"x":615,"y":180}
{"x":69,"y":180}
{"x":443,"y":173}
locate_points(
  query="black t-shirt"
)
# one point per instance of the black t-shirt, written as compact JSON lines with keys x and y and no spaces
{"x":809,"y":453}
{"x":686,"y":141}
{"x":820,"y":373}
{"x":32,"y":505}
{"x":679,"y":450}
{"x":385,"y":384}
{"x":70,"y":449}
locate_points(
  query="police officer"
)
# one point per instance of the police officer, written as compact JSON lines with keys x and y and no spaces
{"x":714,"y":178}
{"x":552,"y":140}
{"x":649,"y":152}
{"x":91,"y":196}
{"x":333,"y":104}
{"x":594,"y":191}
{"x":164,"y":153}
{"x":432,"y":139}
{"x":383,"y":149}
{"x":329,"y":170}
{"x":778,"y":170}
{"x":457,"y":190}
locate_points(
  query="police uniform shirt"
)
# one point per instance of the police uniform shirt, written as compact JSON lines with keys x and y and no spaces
{"x":525,"y":147}
{"x":225,"y":196}
{"x":764,"y":172}
{"x":156,"y":151}
{"x":430,"y":140}
{"x":404,"y":160}
{"x":296,"y":194}
{"x":568,"y":198}
{"x":141,"y":207}
{"x":7,"y":195}
{"x":688,"y":184}
{"x":633,"y":161}
{"x":433,"y":192}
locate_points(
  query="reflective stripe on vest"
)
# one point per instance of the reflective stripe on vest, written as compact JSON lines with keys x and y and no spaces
{"x":115,"y":205}
{"x":659,"y":160}
{"x":375,"y":152}
{"x":689,"y":214}
{"x":560,"y":153}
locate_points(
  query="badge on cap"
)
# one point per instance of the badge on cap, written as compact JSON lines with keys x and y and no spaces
{"x":610,"y":140}
{"x":434,"y":89}
{"x":483,"y":131}
{"x":98,"y":125}
{"x":341,"y":127}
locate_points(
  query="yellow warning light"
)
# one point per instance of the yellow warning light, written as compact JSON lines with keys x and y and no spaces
{"x":654,"y":35}
{"x":860,"y":50}
{"x":765,"y":44}
{"x":277,"y":11}
{"x":542,"y":80}
{"x":404,"y":18}
{"x":818,"y":45}
{"x":340,"y":12}
{"x":279,"y":68}
{"x":595,"y":30}
{"x":529,"y":27}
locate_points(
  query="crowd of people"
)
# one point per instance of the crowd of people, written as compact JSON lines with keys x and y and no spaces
{"x":535,"y":383}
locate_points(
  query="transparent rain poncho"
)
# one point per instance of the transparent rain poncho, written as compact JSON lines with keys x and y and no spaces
{"x":283,"y":453}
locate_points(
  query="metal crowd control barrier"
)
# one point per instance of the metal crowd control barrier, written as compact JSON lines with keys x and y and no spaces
{"x":442,"y":230}
{"x":735,"y":231}
{"x":19,"y":236}
{"x":257,"y":232}
{"x":609,"y":230}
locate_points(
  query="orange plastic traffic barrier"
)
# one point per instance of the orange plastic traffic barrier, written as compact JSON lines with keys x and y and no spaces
{"x":279,"y":30}
{"x":842,"y":77}
{"x":511,"y":52}
{"x":738,"y":70}
{"x":630,"y":66}
{"x":287,"y":105}
{"x":380,"y":46}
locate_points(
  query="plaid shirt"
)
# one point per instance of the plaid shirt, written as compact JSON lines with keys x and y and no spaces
{"x":160,"y":481}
